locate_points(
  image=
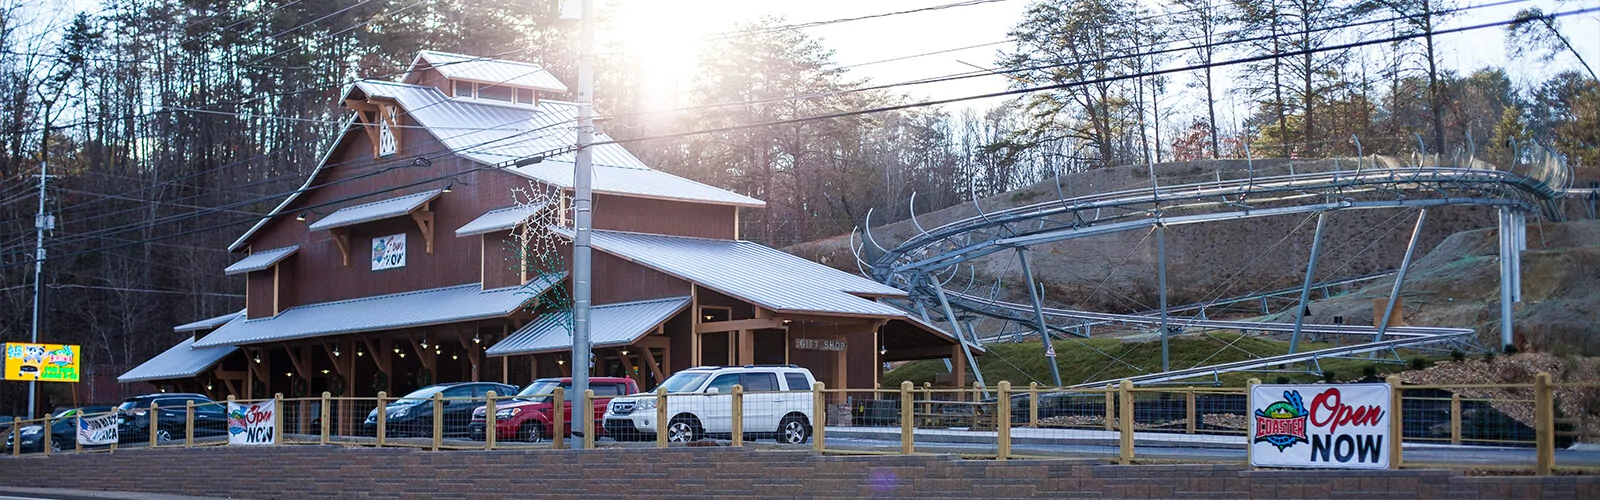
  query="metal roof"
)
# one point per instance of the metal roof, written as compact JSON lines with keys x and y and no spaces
{"x":181,"y":361}
{"x":483,"y":69}
{"x":499,"y":220}
{"x":260,"y":260}
{"x":384,"y":312}
{"x":761,"y":275}
{"x":377,"y":210}
{"x":208,"y":323}
{"x":610,"y":325}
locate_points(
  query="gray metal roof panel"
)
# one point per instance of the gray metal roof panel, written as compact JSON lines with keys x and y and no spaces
{"x":260,"y":260}
{"x":482,"y":69}
{"x":208,"y":323}
{"x":610,"y":325}
{"x":750,"y":271}
{"x":181,"y":361}
{"x":384,"y":312}
{"x":498,"y":220}
{"x":377,"y":210}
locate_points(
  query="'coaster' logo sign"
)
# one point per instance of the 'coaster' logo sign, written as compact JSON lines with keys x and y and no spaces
{"x":1282,"y":424}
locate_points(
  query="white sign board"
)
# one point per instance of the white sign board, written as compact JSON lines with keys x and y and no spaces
{"x":1341,"y":426}
{"x":389,"y":252}
{"x":97,"y":429}
{"x":252,"y":423}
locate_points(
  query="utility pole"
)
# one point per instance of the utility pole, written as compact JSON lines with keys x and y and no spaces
{"x":582,"y":206}
{"x":41,"y":223}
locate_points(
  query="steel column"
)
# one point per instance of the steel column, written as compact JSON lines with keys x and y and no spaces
{"x":1507,"y":254}
{"x":1038,"y":311}
{"x":1400,"y":276}
{"x":1161,"y":271}
{"x":955,"y":324}
{"x":1305,"y":289}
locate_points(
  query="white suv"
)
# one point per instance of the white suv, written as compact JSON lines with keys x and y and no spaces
{"x":777,"y":403}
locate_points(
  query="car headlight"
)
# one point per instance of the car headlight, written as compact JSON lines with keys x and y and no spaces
{"x":507,"y":413}
{"x":29,"y":431}
{"x":403,"y":411}
{"x":645,"y":404}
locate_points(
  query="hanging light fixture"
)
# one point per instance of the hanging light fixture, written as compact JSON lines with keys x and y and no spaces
{"x":883,"y":350}
{"x":324,"y":371}
{"x":402,"y":355}
{"x":624,"y":351}
{"x":258,"y":357}
{"x":208,"y":386}
{"x":301,"y":217}
{"x":561,"y":361}
{"x":451,"y":186}
{"x":476,"y":339}
{"x":359,"y":353}
{"x":455,"y":356}
{"x":286,"y":374}
{"x":424,"y":341}
{"x":335,"y":351}
{"x":397,"y":350}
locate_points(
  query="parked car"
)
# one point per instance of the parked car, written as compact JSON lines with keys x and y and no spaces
{"x":133,"y":424}
{"x":63,"y":431}
{"x":530,"y":417}
{"x":412,"y":414}
{"x":700,"y":405}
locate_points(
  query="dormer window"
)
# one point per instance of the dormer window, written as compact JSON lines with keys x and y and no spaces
{"x":388,"y":144}
{"x":497,"y":92}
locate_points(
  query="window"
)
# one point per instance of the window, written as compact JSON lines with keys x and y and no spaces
{"x":497,"y":93}
{"x":759,"y":382}
{"x":605,"y":390}
{"x":525,"y":96}
{"x":462,"y":89}
{"x":797,"y":381}
{"x":724,"y":383}
{"x":457,"y":392}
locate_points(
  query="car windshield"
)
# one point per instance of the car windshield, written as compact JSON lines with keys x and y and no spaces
{"x":539,"y":390}
{"x":684,"y":381}
{"x":128,"y":405}
{"x":418,"y":396}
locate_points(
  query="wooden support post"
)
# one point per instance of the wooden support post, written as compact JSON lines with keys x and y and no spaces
{"x":424,"y":220}
{"x":188,"y":425}
{"x":1002,"y":414}
{"x":733,"y":348}
{"x":1249,"y":391}
{"x":1396,"y":426}
{"x":277,"y":421}
{"x":1455,"y":419}
{"x":587,"y":417}
{"x":747,"y":347}
{"x":1111,"y":407}
{"x":908,"y":420}
{"x":655,"y":368}
{"x":959,"y":370}
{"x":383,"y":417}
{"x":490,"y":432}
{"x":1033,"y":404}
{"x":738,"y":415}
{"x":1544,"y":416}
{"x":327,"y":415}
{"x":438,"y":420}
{"x":819,"y":415}
{"x":1125,"y":418}
{"x":1189,"y":410}
{"x":533,"y":368}
{"x":841,"y":362}
{"x":46,"y":427}
{"x":155,"y":411}
{"x":558,"y":434}
{"x":661,"y":417}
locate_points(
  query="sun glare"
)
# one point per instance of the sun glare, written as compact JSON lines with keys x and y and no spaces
{"x":663,"y":40}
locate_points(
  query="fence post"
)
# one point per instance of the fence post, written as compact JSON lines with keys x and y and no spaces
{"x":1125,"y":421}
{"x":277,"y":420}
{"x":1544,"y":417}
{"x":154,"y":412}
{"x":661,"y":417}
{"x":188,"y":424}
{"x":1111,"y":407}
{"x":438,"y":419}
{"x":927,"y":397}
{"x":16,"y":437}
{"x":977,"y":392}
{"x":44,"y":428}
{"x":1397,"y":426}
{"x":490,"y":429}
{"x":738,"y":415}
{"x":1033,"y":404}
{"x":588,"y":418}
{"x":558,"y":428}
{"x":383,"y":417}
{"x":819,"y":415}
{"x":327,"y":414}
{"x":1249,"y":392}
{"x":1455,"y":419}
{"x":1189,"y":409}
{"x":1002,"y":415}
{"x":908,"y":420}
{"x":76,"y":444}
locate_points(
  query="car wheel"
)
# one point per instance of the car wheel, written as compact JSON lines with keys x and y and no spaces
{"x":163,"y":436}
{"x":793,"y":430}
{"x":683,"y":429}
{"x":55,"y":446}
{"x":533,"y":432}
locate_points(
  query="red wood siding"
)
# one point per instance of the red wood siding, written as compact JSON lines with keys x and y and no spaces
{"x":500,"y":260}
{"x":259,"y":302}
{"x":645,"y":215}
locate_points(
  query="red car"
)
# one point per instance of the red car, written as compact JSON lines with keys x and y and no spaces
{"x":528,"y":417}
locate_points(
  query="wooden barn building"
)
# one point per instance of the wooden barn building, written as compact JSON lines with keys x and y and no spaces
{"x":396,"y":265}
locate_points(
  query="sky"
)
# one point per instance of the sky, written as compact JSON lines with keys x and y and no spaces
{"x":675,"y":28}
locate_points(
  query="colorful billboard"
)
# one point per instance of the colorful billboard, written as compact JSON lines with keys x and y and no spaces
{"x":1343,"y":426}
{"x":41,"y":362}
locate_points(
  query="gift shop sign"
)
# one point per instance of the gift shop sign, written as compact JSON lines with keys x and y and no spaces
{"x":389,"y":252}
{"x":1342,"y":426}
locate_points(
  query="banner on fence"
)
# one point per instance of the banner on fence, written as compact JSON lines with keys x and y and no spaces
{"x":1344,"y":426}
{"x":252,"y":423}
{"x":96,"y":430}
